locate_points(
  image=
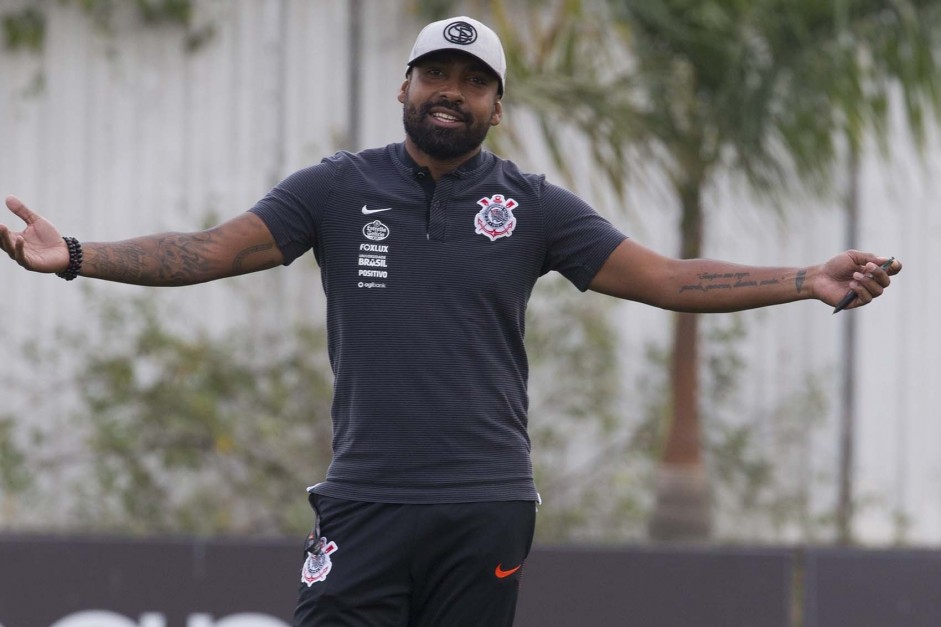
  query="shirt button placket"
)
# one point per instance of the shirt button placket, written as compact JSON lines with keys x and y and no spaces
{"x":437,"y":230}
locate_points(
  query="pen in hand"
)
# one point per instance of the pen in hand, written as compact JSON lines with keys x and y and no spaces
{"x":851,"y":295}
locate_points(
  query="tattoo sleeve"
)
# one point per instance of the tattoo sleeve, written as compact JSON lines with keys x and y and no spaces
{"x":168,"y":259}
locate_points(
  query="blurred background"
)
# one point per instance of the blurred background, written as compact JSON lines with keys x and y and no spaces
{"x":777,"y":466}
{"x":771,"y":132}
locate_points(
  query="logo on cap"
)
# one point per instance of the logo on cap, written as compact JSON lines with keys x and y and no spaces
{"x":460,"y":33}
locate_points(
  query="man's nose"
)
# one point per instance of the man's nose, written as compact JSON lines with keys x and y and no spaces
{"x":451,"y":90}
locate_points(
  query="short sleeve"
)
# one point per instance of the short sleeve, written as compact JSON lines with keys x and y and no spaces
{"x":292,"y":209}
{"x":579,"y":239}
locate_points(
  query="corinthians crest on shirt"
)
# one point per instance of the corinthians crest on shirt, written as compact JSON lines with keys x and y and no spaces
{"x":495,"y":218}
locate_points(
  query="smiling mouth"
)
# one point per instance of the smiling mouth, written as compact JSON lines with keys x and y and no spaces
{"x":446,"y":117}
{"x":449,"y":117}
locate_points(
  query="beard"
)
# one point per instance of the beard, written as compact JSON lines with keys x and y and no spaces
{"x":442,"y":143}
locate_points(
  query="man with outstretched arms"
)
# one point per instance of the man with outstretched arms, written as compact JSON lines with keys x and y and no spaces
{"x":429,"y":250}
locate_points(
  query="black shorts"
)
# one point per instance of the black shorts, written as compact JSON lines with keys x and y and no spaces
{"x":391,"y":565}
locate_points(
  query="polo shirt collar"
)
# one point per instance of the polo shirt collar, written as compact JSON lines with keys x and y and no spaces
{"x":470,"y":166}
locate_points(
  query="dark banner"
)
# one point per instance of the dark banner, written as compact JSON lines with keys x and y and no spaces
{"x":81,"y":582}
{"x":872,"y":588}
{"x":114,"y":582}
{"x":656,"y":587}
{"x":88,"y":582}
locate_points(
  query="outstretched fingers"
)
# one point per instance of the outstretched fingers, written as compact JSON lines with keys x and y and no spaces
{"x":39,"y":246}
{"x":7,"y":240}
{"x":8,"y":237}
{"x":19,"y":209}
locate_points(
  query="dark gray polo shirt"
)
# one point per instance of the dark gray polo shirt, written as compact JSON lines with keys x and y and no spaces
{"x":426,"y":290}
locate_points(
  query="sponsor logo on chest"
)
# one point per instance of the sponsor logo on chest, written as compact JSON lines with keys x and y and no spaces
{"x":494,"y":220}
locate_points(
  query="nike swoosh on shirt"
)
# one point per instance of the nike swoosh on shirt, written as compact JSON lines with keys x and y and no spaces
{"x":366,"y":211}
{"x":503,"y":574}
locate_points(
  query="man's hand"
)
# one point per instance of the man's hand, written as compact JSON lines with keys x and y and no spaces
{"x":857,"y":271}
{"x":39,"y":247}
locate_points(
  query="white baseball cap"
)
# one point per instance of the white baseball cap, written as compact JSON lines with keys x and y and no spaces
{"x":467,"y":35}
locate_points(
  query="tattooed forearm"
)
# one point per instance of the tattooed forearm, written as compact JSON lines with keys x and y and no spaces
{"x":166,"y":259}
{"x":237,"y":266}
{"x":728,"y":281}
{"x":182,"y":259}
{"x":239,"y":246}
{"x":799,"y":280}
{"x":119,"y":262}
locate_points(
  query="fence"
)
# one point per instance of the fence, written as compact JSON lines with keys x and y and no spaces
{"x":111,"y":582}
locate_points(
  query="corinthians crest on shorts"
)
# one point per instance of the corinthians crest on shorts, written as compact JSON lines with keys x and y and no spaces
{"x":318,"y":563}
{"x":495,"y":219}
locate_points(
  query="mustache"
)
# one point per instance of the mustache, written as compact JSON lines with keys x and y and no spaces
{"x":444,"y":103}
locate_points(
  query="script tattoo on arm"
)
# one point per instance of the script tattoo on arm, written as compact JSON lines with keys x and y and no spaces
{"x":237,"y":265}
{"x":710,"y":281}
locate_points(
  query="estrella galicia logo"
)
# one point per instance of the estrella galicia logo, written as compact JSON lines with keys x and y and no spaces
{"x":460,"y":33}
{"x":376,"y":231}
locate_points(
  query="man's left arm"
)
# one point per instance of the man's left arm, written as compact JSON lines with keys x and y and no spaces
{"x":633,"y":272}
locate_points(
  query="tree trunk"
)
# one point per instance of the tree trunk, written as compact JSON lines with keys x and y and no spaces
{"x":682,"y":510}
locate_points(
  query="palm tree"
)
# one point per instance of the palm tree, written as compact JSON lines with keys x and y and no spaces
{"x":771,"y":90}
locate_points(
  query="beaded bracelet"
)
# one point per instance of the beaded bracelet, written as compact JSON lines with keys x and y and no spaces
{"x":75,"y":259}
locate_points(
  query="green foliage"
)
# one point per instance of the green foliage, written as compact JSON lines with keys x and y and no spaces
{"x":178,"y":12}
{"x":588,"y":464}
{"x":14,"y":476}
{"x":758,"y":458}
{"x":173,"y":11}
{"x":24,"y":29}
{"x":771,"y":91}
{"x":434,"y":10}
{"x":183,"y":432}
{"x":760,"y":463}
{"x":763,"y":86}
{"x":198,"y":434}
{"x":763,"y":89}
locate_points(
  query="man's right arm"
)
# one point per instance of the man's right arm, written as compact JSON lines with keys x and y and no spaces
{"x":242,"y":245}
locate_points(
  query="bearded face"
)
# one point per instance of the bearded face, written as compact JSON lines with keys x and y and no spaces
{"x":443,"y":129}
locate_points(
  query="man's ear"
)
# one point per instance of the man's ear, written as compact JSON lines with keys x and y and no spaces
{"x":497,"y":114}
{"x":403,"y":91}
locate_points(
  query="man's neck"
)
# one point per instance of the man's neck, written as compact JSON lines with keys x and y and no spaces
{"x":437,"y":167}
